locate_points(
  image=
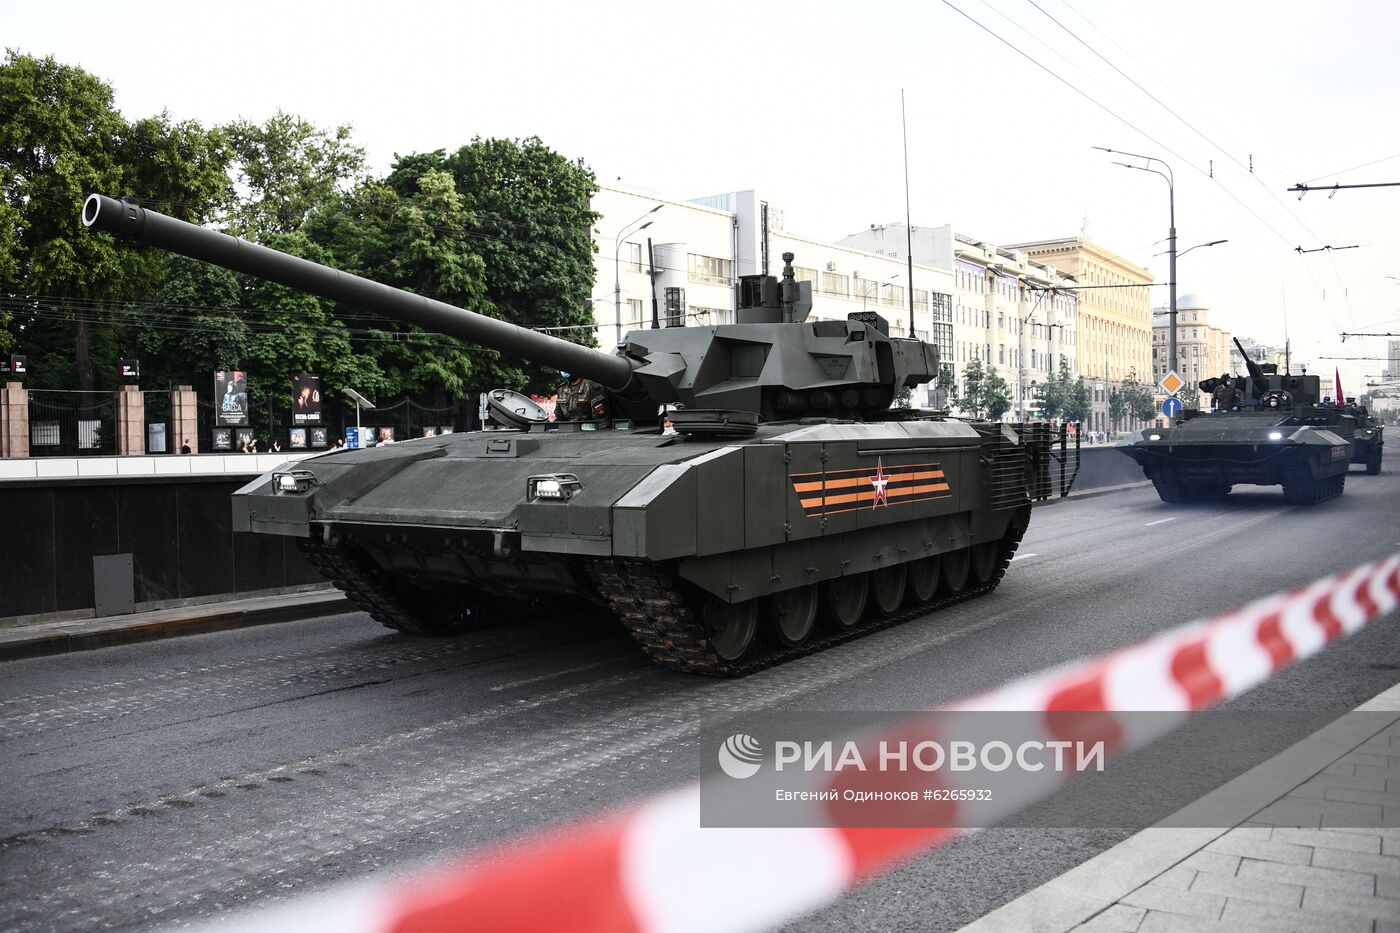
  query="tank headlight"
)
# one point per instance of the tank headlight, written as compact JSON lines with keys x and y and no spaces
{"x":561,"y":486}
{"x":1275,"y":435}
{"x":296,"y":481}
{"x":1154,"y":437}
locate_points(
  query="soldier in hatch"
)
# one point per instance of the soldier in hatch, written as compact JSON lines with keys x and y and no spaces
{"x":581,"y":400}
{"x":1226,"y":397}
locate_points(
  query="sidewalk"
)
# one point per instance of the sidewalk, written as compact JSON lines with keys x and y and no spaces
{"x":1258,"y":875}
{"x":30,"y":641}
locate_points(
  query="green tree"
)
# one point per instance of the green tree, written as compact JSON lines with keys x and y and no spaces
{"x":996,"y":395}
{"x":61,"y":137}
{"x":291,"y":170}
{"x":985,"y":393}
{"x":528,"y":216}
{"x":947,"y":385}
{"x":970,"y":399}
{"x":1138,"y":398}
{"x":1077,"y":403}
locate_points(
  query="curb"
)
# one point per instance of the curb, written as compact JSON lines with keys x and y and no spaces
{"x":1088,"y":889}
{"x":1093,"y":493}
{"x":65,"y":637}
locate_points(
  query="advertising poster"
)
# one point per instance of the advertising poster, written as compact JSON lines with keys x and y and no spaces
{"x":223,"y":439}
{"x":306,"y":399}
{"x":298,"y":438}
{"x":385,"y":436}
{"x":352,"y":437}
{"x":230,"y":398}
{"x":244,"y":437}
{"x":319,"y":438}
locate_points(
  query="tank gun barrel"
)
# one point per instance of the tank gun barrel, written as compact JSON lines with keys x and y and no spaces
{"x":131,"y":221}
{"x":1254,"y":371}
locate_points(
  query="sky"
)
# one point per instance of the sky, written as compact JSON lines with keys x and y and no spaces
{"x":1241,"y":98}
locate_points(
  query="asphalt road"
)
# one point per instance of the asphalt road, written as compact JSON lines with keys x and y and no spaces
{"x":160,"y":783}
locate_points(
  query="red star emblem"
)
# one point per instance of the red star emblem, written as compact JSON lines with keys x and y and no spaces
{"x":880,"y":481}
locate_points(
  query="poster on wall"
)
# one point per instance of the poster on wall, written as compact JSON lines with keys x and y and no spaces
{"x":230,"y":398}
{"x":297,"y":438}
{"x":318,"y":438}
{"x":223,"y":439}
{"x":306,"y":399}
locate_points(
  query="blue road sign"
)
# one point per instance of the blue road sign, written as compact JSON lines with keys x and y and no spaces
{"x":1171,"y":406}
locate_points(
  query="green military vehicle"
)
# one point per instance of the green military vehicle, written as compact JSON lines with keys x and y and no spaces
{"x":1276,"y":432}
{"x":789,"y":509}
{"x":1368,"y":443}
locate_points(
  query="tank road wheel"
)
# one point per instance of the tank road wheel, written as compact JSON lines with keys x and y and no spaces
{"x":984,"y":562}
{"x":1299,"y":488}
{"x":887,"y":588}
{"x":791,"y":616}
{"x":957,"y":565}
{"x":843,"y":600}
{"x":923,"y":579}
{"x":730,"y":627}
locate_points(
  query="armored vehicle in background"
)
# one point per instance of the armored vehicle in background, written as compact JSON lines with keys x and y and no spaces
{"x":1279,"y":433}
{"x":1368,"y":443}
{"x":790,"y":509}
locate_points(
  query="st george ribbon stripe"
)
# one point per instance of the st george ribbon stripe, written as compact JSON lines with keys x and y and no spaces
{"x":639,"y":869}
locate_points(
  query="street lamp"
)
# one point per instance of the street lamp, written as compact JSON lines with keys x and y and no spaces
{"x":617,"y":269}
{"x":1171,"y":235}
{"x":874,"y":286}
{"x":1200,"y":246}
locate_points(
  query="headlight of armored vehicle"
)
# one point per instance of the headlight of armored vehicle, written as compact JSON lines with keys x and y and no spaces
{"x":294,"y":482}
{"x":1154,"y":437}
{"x":1275,"y":435}
{"x":562,"y":486}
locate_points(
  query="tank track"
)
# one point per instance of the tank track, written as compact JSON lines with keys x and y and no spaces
{"x":340,"y":567}
{"x":644,"y":597}
{"x":1299,"y":488}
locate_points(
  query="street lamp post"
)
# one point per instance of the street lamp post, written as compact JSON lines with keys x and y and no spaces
{"x":1171,"y":237}
{"x":617,"y":266}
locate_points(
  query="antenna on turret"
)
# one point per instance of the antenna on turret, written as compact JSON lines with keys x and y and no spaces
{"x":908,"y":217}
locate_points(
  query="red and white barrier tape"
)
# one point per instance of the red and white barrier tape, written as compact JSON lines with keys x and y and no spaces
{"x":653,"y":868}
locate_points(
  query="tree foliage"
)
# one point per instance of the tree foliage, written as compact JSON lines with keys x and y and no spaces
{"x":1064,"y":397}
{"x":985,"y":393}
{"x":61,"y":137}
{"x":500,"y":227}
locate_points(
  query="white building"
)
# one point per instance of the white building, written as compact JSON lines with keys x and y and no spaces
{"x":700,"y":248}
{"x":1011,"y":312}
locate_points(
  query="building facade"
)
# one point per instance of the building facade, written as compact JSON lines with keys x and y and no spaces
{"x":700,"y":248}
{"x":1203,"y":349}
{"x":1015,"y":315}
{"x":1114,"y":315}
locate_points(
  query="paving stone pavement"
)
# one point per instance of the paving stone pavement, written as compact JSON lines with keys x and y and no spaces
{"x":1317,"y":857}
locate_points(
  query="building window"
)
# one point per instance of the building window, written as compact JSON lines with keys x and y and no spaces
{"x":634,"y":314}
{"x":803,"y":274}
{"x":834,"y":283}
{"x":633,"y":254}
{"x":893,"y":295}
{"x":709,"y":270}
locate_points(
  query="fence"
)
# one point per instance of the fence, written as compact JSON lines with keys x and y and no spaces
{"x":68,"y":424}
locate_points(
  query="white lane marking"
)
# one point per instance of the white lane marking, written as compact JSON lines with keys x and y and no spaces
{"x":1159,"y":521}
{"x":1020,"y":556}
{"x":552,"y":674}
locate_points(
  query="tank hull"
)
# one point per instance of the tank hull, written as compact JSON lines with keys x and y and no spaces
{"x":1369,"y":448}
{"x":434,"y":535}
{"x":1202,"y":458}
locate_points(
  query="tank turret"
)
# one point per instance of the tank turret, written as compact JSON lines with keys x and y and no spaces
{"x":772,"y":363}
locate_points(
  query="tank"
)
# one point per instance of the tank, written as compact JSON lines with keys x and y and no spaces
{"x":1368,"y":443}
{"x":1280,"y":434}
{"x":750,"y":497}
